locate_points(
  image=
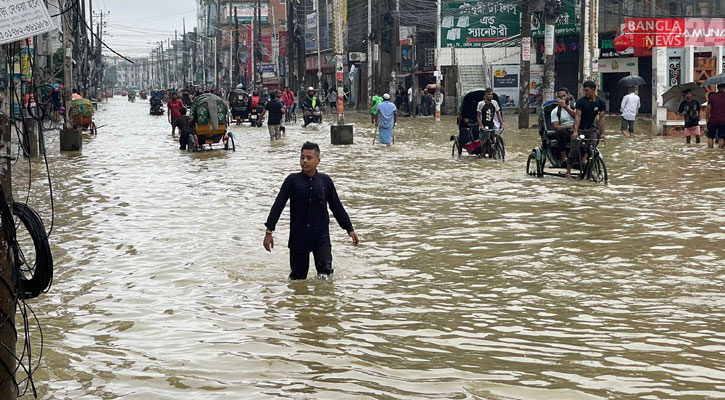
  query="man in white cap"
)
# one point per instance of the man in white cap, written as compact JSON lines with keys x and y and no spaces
{"x":386,"y":118}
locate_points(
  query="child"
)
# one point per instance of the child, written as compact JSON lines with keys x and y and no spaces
{"x":185,"y":129}
{"x":690,"y":109}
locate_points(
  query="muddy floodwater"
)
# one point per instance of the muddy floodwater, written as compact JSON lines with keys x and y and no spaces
{"x":472,"y":279}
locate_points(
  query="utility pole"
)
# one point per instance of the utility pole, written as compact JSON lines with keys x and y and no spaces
{"x":316,"y":10}
{"x":438,"y":64}
{"x":370,"y":54}
{"x":258,"y":67}
{"x":340,"y":133}
{"x":236,"y":48}
{"x":525,"y":65}
{"x":176,"y":54}
{"x":70,"y":138}
{"x":8,"y":334}
{"x":549,"y":60}
{"x":594,"y":38}
{"x":193,"y":55}
{"x":217,"y":39}
{"x":183,"y":53}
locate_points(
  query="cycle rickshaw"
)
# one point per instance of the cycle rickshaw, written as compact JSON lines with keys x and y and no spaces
{"x":209,"y":116}
{"x":593,"y":168}
{"x":488,"y":143}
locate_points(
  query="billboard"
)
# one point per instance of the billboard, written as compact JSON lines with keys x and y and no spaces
{"x":245,"y":12}
{"x":705,"y":32}
{"x":479,"y":24}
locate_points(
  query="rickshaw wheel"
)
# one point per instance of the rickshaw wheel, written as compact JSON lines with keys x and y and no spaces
{"x":598,"y":170}
{"x":456,"y":148}
{"x":499,"y":150}
{"x":226,"y":144}
{"x":532,"y":165}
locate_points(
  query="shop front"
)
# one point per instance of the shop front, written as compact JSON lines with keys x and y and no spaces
{"x":611,"y":70}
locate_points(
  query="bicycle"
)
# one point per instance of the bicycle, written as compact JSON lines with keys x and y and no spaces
{"x":494,"y":144}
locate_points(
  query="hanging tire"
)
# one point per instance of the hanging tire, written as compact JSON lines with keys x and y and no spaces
{"x":598,"y":170}
{"x":532,"y":165}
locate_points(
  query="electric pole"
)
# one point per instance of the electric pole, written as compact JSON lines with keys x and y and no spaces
{"x":235,"y":72}
{"x":525,"y":65}
{"x":8,"y":333}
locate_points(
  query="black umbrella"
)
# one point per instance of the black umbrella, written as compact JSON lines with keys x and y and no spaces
{"x":632,"y":80}
{"x":714,"y":80}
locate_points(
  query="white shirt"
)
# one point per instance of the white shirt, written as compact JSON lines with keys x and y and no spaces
{"x":566,"y":119}
{"x":630,"y":106}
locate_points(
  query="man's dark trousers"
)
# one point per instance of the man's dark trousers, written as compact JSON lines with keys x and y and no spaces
{"x":300,"y":261}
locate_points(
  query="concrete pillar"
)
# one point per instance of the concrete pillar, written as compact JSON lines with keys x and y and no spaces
{"x":688,"y":65}
{"x":659,"y":74}
{"x":341,"y":134}
{"x":70,"y":140}
{"x":718,"y":59}
{"x":31,"y":137}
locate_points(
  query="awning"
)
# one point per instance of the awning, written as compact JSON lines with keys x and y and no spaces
{"x":425,"y":72}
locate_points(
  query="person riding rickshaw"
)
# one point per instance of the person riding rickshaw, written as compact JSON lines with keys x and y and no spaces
{"x":487,"y":143}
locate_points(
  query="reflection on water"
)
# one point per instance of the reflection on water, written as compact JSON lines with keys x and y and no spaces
{"x":472,"y":279}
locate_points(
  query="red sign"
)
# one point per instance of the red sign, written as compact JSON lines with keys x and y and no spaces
{"x":705,"y":32}
{"x":656,"y":32}
{"x":621,"y":43}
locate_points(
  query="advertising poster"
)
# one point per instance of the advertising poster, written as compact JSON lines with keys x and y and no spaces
{"x":506,"y":84}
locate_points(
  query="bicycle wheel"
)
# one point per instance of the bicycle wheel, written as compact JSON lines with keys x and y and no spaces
{"x":456,"y":148}
{"x":598,"y":170}
{"x":48,"y":123}
{"x":532,"y":165}
{"x":499,"y":149}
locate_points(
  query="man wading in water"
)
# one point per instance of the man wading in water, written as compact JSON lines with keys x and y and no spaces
{"x":309,"y":192}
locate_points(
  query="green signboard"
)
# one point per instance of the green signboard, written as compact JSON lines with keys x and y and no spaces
{"x":567,"y":23}
{"x":479,"y":23}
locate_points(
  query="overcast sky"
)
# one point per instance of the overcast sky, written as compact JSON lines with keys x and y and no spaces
{"x":134,"y":26}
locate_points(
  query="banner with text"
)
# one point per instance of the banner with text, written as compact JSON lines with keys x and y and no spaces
{"x":566,"y":24}
{"x":479,"y":24}
{"x":20,"y":19}
{"x":655,"y":32}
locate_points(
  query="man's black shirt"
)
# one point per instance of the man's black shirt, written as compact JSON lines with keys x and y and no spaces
{"x":274,"y":107}
{"x":692,"y":113}
{"x":309,"y":218}
{"x":590,"y":110}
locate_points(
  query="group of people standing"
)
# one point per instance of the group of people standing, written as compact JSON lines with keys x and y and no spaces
{"x":714,"y":115}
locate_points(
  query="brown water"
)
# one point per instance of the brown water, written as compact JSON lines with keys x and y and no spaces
{"x":473,"y":280}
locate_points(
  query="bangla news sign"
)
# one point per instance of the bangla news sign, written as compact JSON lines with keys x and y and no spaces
{"x":478,"y":24}
{"x":675,"y":32}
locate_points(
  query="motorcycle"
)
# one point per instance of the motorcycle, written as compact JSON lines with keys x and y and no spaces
{"x":254,"y":118}
{"x":313,"y":115}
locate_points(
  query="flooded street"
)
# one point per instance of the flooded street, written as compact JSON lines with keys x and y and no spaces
{"x":472,"y":279}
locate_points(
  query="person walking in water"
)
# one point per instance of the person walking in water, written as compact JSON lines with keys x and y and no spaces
{"x":386,"y":118}
{"x":174,"y":105}
{"x":629,"y":107}
{"x":309,"y":193}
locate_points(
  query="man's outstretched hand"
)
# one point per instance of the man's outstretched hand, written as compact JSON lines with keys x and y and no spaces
{"x":355,"y":239}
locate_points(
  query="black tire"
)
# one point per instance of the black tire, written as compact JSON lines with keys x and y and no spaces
{"x":456,"y":148}
{"x":532,"y":165}
{"x":48,"y":123}
{"x":499,"y":150}
{"x":598,"y":170}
